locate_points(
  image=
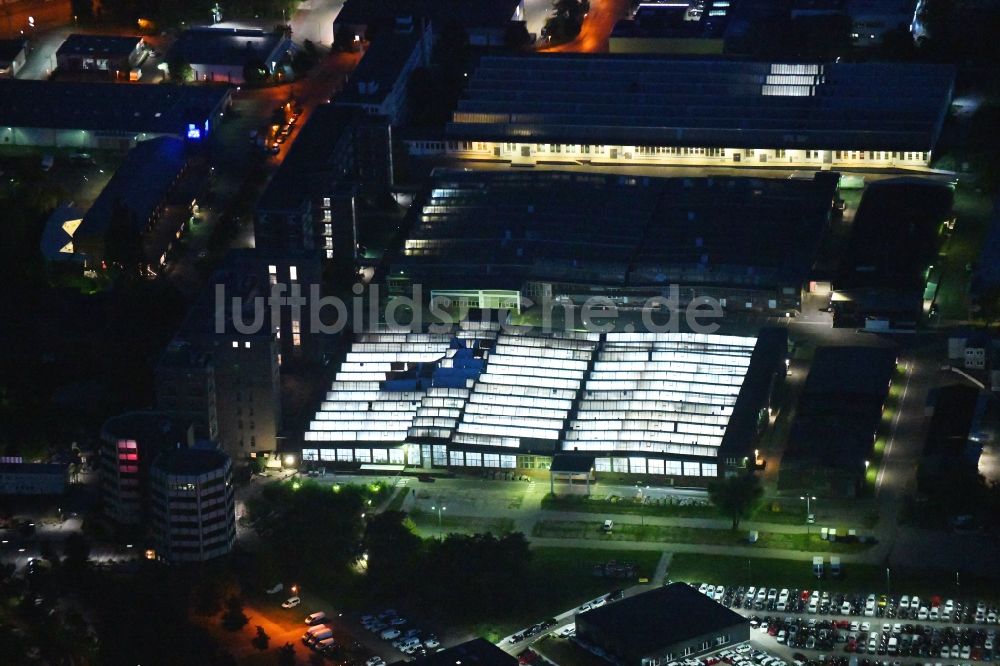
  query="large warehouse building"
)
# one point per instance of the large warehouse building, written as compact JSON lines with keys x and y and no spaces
{"x":496,"y":238}
{"x":668,"y":404}
{"x":669,"y":110}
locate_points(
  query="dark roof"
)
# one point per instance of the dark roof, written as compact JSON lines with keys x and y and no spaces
{"x":139,"y":185}
{"x":495,"y":229}
{"x":768,"y":357}
{"x":224,"y":46}
{"x":146,"y":428}
{"x":851,"y":371}
{"x":676,"y":101}
{"x":109,"y":45}
{"x":477,"y":652}
{"x":671,"y":21}
{"x":110,"y":107}
{"x":468,"y":13}
{"x":310,"y":156}
{"x":948,"y":432}
{"x":988,"y":268}
{"x":895,"y":235}
{"x":33,"y":468}
{"x":11,"y":48}
{"x":380,"y":68}
{"x":190,"y":461}
{"x":660,"y":618}
{"x":572,"y":462}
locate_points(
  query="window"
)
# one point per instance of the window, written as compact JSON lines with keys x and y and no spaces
{"x":293,"y":273}
{"x":272,"y":270}
{"x":326,"y":201}
{"x":692,"y":469}
{"x":457,"y":458}
{"x":246,"y":344}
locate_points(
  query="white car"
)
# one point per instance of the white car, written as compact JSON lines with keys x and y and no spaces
{"x":597,"y":603}
{"x":375,"y":661}
{"x":923,"y":613}
{"x":432,"y":643}
{"x":584,"y":608}
{"x":904,"y":601}
{"x":389,"y":634}
{"x":291,"y":602}
{"x":315,"y":618}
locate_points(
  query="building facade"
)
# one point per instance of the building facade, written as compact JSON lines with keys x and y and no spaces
{"x":129,"y":444}
{"x":13,"y":53}
{"x":193,"y":504}
{"x":21,"y":478}
{"x":111,"y":57}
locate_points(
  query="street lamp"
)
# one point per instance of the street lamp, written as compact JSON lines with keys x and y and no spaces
{"x":295,"y":589}
{"x":809,"y":517}
{"x":439,"y":509}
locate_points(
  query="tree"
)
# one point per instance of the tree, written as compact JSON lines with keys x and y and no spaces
{"x":566,"y":20}
{"x":261,"y":640}
{"x":286,"y":655}
{"x":253,"y":70}
{"x":180,"y":69}
{"x":76,"y":550}
{"x":516,"y":35}
{"x":234,"y":617}
{"x":737,"y":497}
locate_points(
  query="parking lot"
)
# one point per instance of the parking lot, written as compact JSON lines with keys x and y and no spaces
{"x":868,"y":624}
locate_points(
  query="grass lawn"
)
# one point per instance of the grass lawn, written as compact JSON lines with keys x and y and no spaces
{"x":770,"y":572}
{"x":428,"y":523}
{"x":618,"y":505}
{"x":559,"y":529}
{"x":561,"y":578}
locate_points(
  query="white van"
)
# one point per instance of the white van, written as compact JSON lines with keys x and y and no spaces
{"x":608,"y":526}
{"x":315,"y":618}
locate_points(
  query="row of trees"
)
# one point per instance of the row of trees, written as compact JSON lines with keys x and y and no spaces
{"x":566,"y":19}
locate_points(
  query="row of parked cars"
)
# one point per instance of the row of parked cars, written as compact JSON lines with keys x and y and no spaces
{"x":934,"y":609}
{"x":390,"y":626}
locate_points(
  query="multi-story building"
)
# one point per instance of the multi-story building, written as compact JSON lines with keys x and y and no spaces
{"x":185,"y":387}
{"x":129,"y":445}
{"x":657,"y":110}
{"x":341,"y":158}
{"x":193,"y":506}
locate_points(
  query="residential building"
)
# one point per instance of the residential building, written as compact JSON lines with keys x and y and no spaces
{"x":341,"y":158}
{"x":379,"y":83}
{"x":831,"y":444}
{"x":193,"y":504}
{"x":114,"y":57}
{"x":13,"y":53}
{"x":132,"y":204}
{"x":224,"y":54}
{"x":483,"y":21}
{"x":620,"y":110}
{"x":663,"y":625}
{"x":22,"y":478}
{"x":129,"y":445}
{"x":105,"y":116}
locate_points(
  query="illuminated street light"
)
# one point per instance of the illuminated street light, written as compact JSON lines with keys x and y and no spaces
{"x":809,"y":516}
{"x":295,"y":589}
{"x":439,"y":509}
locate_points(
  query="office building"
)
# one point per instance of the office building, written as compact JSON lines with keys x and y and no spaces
{"x":25,"y":478}
{"x":341,"y":159}
{"x":129,"y":444}
{"x":650,"y":110}
{"x":660,"y":626}
{"x":193,"y":504}
{"x":104,"y":116}
{"x":185,"y":387}
{"x":110,"y":57}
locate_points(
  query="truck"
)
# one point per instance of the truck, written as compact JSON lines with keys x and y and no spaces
{"x":818,"y":566}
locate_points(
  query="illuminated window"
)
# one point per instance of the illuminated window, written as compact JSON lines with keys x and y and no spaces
{"x":246,"y":344}
{"x":326,"y":201}
{"x":293,"y":273}
{"x":235,"y":344}
{"x":272,"y":270}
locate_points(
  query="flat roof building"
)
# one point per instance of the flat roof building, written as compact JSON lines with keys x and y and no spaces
{"x":668,"y":623}
{"x":831,"y":443}
{"x":222,"y":54}
{"x":953,"y":445}
{"x":13,"y":53}
{"x":665,"y":404}
{"x":484,"y":21}
{"x":669,"y":110}
{"x":750,"y":243}
{"x":111,"y":57}
{"x":695,"y":27}
{"x":94,"y":115}
{"x":21,"y":478}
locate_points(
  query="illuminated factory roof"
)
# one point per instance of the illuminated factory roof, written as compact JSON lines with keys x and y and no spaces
{"x":496,"y":229}
{"x":664,"y":101}
{"x":522,"y":390}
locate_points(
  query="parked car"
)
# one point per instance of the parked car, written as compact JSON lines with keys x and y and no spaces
{"x":291,"y":602}
{"x":315,"y":618}
{"x":389,"y":634}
